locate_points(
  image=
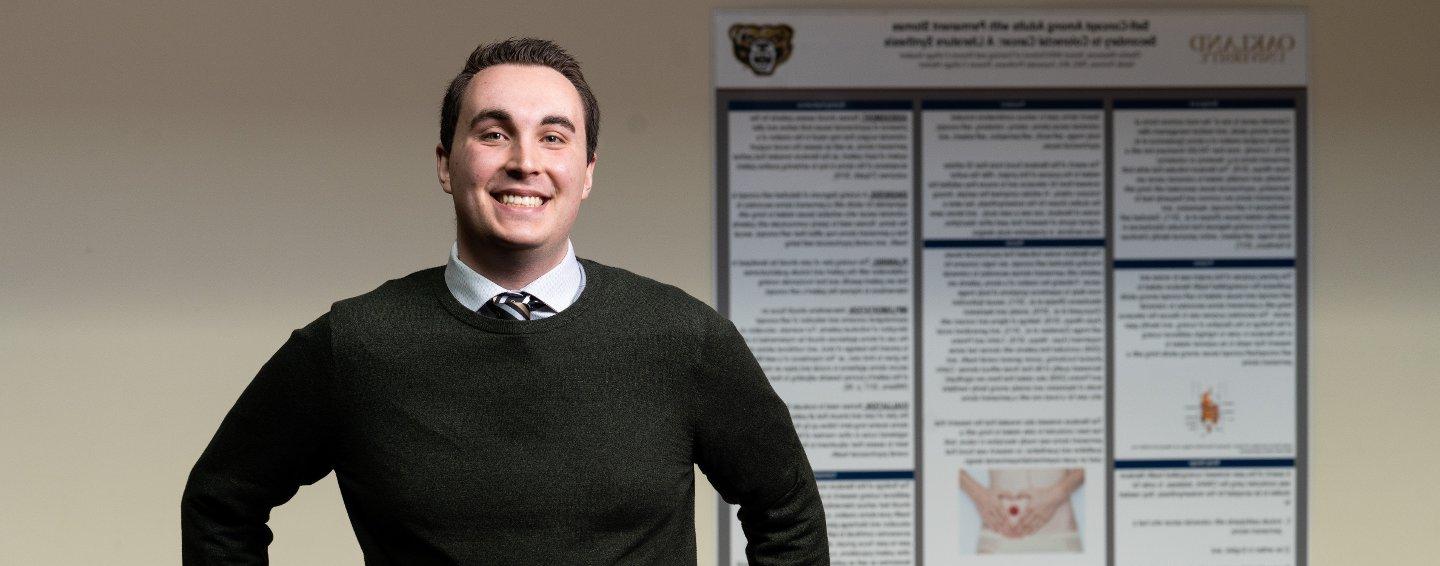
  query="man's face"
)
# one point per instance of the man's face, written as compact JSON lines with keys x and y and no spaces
{"x":517,"y":167}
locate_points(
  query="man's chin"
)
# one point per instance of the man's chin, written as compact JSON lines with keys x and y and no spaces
{"x":520,"y":246}
{"x":516,"y":244}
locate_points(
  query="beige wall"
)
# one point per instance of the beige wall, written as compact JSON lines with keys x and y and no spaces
{"x":183,"y":185}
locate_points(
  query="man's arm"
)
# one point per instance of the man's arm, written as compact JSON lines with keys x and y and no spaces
{"x":275,"y":439}
{"x":746,"y":445}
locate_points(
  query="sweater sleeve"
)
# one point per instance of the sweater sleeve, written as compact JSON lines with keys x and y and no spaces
{"x":746,"y":445}
{"x":275,"y":439}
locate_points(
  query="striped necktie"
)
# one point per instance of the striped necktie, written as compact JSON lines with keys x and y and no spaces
{"x":511,"y":306}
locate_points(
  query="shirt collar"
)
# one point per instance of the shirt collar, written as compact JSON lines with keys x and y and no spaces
{"x":557,"y":288}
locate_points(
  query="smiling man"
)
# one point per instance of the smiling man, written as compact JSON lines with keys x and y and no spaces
{"x":517,"y":405}
{"x":518,"y":162}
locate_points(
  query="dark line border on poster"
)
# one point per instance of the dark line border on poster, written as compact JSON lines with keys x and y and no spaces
{"x":1109,"y":331}
{"x":917,"y":305}
{"x":1302,"y":325}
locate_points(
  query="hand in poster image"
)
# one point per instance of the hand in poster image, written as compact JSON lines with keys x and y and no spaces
{"x":993,"y":512}
{"x":1025,"y":510}
{"x":1046,"y":500}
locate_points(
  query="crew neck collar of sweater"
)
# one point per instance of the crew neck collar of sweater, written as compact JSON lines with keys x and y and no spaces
{"x":597,"y":281}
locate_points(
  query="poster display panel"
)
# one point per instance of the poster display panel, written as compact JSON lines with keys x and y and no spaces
{"x":1032,"y":283}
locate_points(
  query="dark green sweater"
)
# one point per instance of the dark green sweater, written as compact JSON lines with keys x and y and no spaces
{"x":460,"y":439}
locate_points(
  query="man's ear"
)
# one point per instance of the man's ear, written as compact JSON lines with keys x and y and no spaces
{"x":589,"y":176}
{"x":442,"y":167}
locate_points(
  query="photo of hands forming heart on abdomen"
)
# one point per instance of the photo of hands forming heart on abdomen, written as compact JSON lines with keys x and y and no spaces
{"x":1015,"y":505}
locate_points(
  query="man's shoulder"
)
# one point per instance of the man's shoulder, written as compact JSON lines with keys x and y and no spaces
{"x":639,"y":291}
{"x":420,"y":283}
{"x":404,"y":298}
{"x":402,"y":294}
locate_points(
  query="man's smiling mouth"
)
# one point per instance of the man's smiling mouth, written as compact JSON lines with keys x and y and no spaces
{"x":519,"y":200}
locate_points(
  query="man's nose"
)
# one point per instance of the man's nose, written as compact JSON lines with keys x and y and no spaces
{"x":522,"y":160}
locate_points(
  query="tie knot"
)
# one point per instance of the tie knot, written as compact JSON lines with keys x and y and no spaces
{"x":512,"y":306}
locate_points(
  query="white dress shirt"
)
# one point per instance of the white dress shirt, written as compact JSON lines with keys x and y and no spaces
{"x":558,"y":288}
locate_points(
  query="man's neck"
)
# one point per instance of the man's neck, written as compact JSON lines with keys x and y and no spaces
{"x":510,"y":268}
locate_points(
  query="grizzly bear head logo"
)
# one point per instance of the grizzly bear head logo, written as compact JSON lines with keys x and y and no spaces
{"x":762,"y":48}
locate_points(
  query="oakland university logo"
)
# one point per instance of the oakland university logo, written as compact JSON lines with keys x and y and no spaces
{"x":762,"y":48}
{"x":1224,"y":48}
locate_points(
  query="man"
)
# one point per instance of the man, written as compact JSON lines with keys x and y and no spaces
{"x":516,"y":406}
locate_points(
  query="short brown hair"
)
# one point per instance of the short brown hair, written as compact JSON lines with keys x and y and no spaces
{"x":520,"y":51}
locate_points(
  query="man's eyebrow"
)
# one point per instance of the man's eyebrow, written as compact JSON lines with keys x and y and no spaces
{"x":558,"y":121}
{"x":490,"y":114}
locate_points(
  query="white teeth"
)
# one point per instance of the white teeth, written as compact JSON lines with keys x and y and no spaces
{"x":517,"y":200}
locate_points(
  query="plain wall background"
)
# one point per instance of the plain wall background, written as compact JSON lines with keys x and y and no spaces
{"x":184,"y":184}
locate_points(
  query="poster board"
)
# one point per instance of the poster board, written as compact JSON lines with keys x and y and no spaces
{"x":1032,"y":282}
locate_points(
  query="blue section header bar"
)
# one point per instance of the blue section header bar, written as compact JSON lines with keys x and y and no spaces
{"x":870,"y":475}
{"x":1206,"y":463}
{"x":1013,"y":104}
{"x":820,"y":105}
{"x":1204,"y":103}
{"x":1199,"y":263}
{"x":1017,"y":243}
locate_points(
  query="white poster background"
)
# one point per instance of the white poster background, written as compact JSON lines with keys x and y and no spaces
{"x":842,"y":54}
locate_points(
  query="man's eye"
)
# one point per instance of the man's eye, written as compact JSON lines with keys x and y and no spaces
{"x":552,"y":138}
{"x":492,"y":136}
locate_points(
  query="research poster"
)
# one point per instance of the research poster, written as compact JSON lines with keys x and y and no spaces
{"x":1032,"y":283}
